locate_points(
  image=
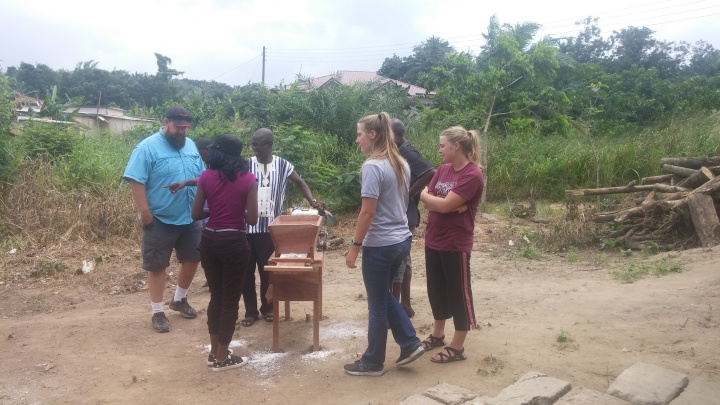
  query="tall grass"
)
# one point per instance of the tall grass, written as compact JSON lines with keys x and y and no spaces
{"x":545,"y":166}
{"x":73,"y":189}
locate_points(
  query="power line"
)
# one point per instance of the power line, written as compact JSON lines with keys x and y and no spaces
{"x":646,"y":25}
{"x":406,"y":48}
{"x":236,"y":67}
{"x":645,"y":18}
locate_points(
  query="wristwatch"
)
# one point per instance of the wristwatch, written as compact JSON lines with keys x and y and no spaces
{"x":356,"y":243}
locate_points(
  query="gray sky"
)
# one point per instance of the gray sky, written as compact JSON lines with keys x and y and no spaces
{"x":223,"y":39}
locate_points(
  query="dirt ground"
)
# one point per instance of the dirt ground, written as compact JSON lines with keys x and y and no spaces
{"x":86,"y":339}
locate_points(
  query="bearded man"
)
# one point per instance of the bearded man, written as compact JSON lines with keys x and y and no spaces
{"x":161,"y":159}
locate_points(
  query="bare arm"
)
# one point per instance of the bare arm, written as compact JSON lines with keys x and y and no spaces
{"x":251,"y":205}
{"x":422,"y":182}
{"x":365,"y":218}
{"x":305,"y":190}
{"x":174,"y":187}
{"x":452,"y":202}
{"x":140,"y":199}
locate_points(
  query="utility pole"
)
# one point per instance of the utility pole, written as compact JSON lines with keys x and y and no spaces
{"x":263,"y":68}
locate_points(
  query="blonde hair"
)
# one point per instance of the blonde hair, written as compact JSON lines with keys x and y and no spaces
{"x":384,"y":146}
{"x":468,"y":140}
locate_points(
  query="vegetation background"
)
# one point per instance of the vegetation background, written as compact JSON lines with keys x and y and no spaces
{"x":559,"y":113}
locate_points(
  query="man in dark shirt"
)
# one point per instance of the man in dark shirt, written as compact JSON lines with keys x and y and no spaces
{"x":421,"y":172}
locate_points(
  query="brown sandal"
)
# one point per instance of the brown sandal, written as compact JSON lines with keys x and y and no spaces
{"x":432,"y":342}
{"x":451,"y":356}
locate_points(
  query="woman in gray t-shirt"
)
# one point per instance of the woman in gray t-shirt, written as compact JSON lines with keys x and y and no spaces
{"x":382,"y":233}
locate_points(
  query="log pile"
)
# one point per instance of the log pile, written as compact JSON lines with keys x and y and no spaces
{"x":677,"y":209}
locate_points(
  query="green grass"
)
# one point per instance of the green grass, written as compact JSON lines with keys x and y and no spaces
{"x":558,"y":163}
{"x":636,"y":269}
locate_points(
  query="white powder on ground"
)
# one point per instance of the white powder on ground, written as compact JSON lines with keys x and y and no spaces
{"x":340,"y":330}
{"x":266,"y":364}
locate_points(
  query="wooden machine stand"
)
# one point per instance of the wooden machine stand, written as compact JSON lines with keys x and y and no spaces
{"x":295,"y":269}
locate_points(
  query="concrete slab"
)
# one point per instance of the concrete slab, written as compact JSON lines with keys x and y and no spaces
{"x":582,"y":396}
{"x":648,"y":384}
{"x":449,"y":394}
{"x":419,"y":399}
{"x":699,"y":391}
{"x":533,"y":388}
{"x":479,"y":401}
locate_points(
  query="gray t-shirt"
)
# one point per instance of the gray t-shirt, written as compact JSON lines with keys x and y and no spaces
{"x":389,"y":226}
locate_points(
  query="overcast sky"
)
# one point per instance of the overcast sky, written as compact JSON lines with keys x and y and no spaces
{"x":223,"y":40}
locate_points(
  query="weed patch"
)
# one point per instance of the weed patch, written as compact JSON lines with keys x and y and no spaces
{"x":565,"y":342}
{"x":635,"y":270}
{"x":490,"y":365}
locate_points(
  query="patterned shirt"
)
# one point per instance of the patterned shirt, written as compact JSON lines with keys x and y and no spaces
{"x":272,"y":180}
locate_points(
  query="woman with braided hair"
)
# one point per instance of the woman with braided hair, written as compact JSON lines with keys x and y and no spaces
{"x":231,"y":193}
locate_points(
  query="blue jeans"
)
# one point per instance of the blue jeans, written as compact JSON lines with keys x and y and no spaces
{"x":378,"y":266}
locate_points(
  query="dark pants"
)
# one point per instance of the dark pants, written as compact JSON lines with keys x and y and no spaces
{"x":261,"y":247}
{"x":448,"y":287}
{"x":224,"y":257}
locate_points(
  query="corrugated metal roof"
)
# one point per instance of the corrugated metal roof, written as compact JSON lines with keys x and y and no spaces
{"x":350,"y":77}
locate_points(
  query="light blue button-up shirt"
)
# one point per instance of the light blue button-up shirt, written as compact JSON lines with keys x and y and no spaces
{"x":155,"y":163}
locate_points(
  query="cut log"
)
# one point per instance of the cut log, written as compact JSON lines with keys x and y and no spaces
{"x":629,"y":213}
{"x":705,"y":219}
{"x":696,"y":179}
{"x":663,"y":178}
{"x":622,"y":215}
{"x":678,"y":170}
{"x":692,"y":162}
{"x":710,"y":186}
{"x":662,"y":188}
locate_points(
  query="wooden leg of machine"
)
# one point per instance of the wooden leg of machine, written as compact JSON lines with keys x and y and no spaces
{"x":316,"y":325}
{"x":287,"y":310}
{"x":276,"y":327}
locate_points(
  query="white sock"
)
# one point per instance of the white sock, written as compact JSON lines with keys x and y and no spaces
{"x":180,"y":293}
{"x":156,"y":307}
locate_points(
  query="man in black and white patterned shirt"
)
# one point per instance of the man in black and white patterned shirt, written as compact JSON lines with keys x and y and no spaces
{"x":272,"y":173}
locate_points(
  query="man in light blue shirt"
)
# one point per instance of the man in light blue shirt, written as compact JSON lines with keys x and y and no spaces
{"x":157,"y":161}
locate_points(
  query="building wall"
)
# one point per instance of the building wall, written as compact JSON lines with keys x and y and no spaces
{"x":113,"y":125}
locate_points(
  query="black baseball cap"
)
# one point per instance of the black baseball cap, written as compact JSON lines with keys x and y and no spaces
{"x":179,"y":116}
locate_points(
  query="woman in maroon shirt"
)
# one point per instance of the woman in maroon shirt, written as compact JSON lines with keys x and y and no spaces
{"x":452,"y":198}
{"x":231,"y":193}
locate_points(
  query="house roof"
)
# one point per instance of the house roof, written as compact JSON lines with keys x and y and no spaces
{"x":350,"y":77}
{"x":104,"y":113}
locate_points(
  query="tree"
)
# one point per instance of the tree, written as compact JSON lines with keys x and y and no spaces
{"x":509,"y":82}
{"x":704,"y":60}
{"x":411,"y":69}
{"x":588,"y":46}
{"x":37,"y":80}
{"x":164,"y":71}
{"x":394,"y":68}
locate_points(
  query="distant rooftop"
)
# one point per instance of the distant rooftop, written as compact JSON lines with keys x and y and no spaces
{"x":350,"y":77}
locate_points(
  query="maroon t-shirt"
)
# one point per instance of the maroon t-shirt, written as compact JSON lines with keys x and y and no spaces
{"x":226,"y":200}
{"x":453,"y":232}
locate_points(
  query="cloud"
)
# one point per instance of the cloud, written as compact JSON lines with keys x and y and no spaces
{"x":224,"y":39}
